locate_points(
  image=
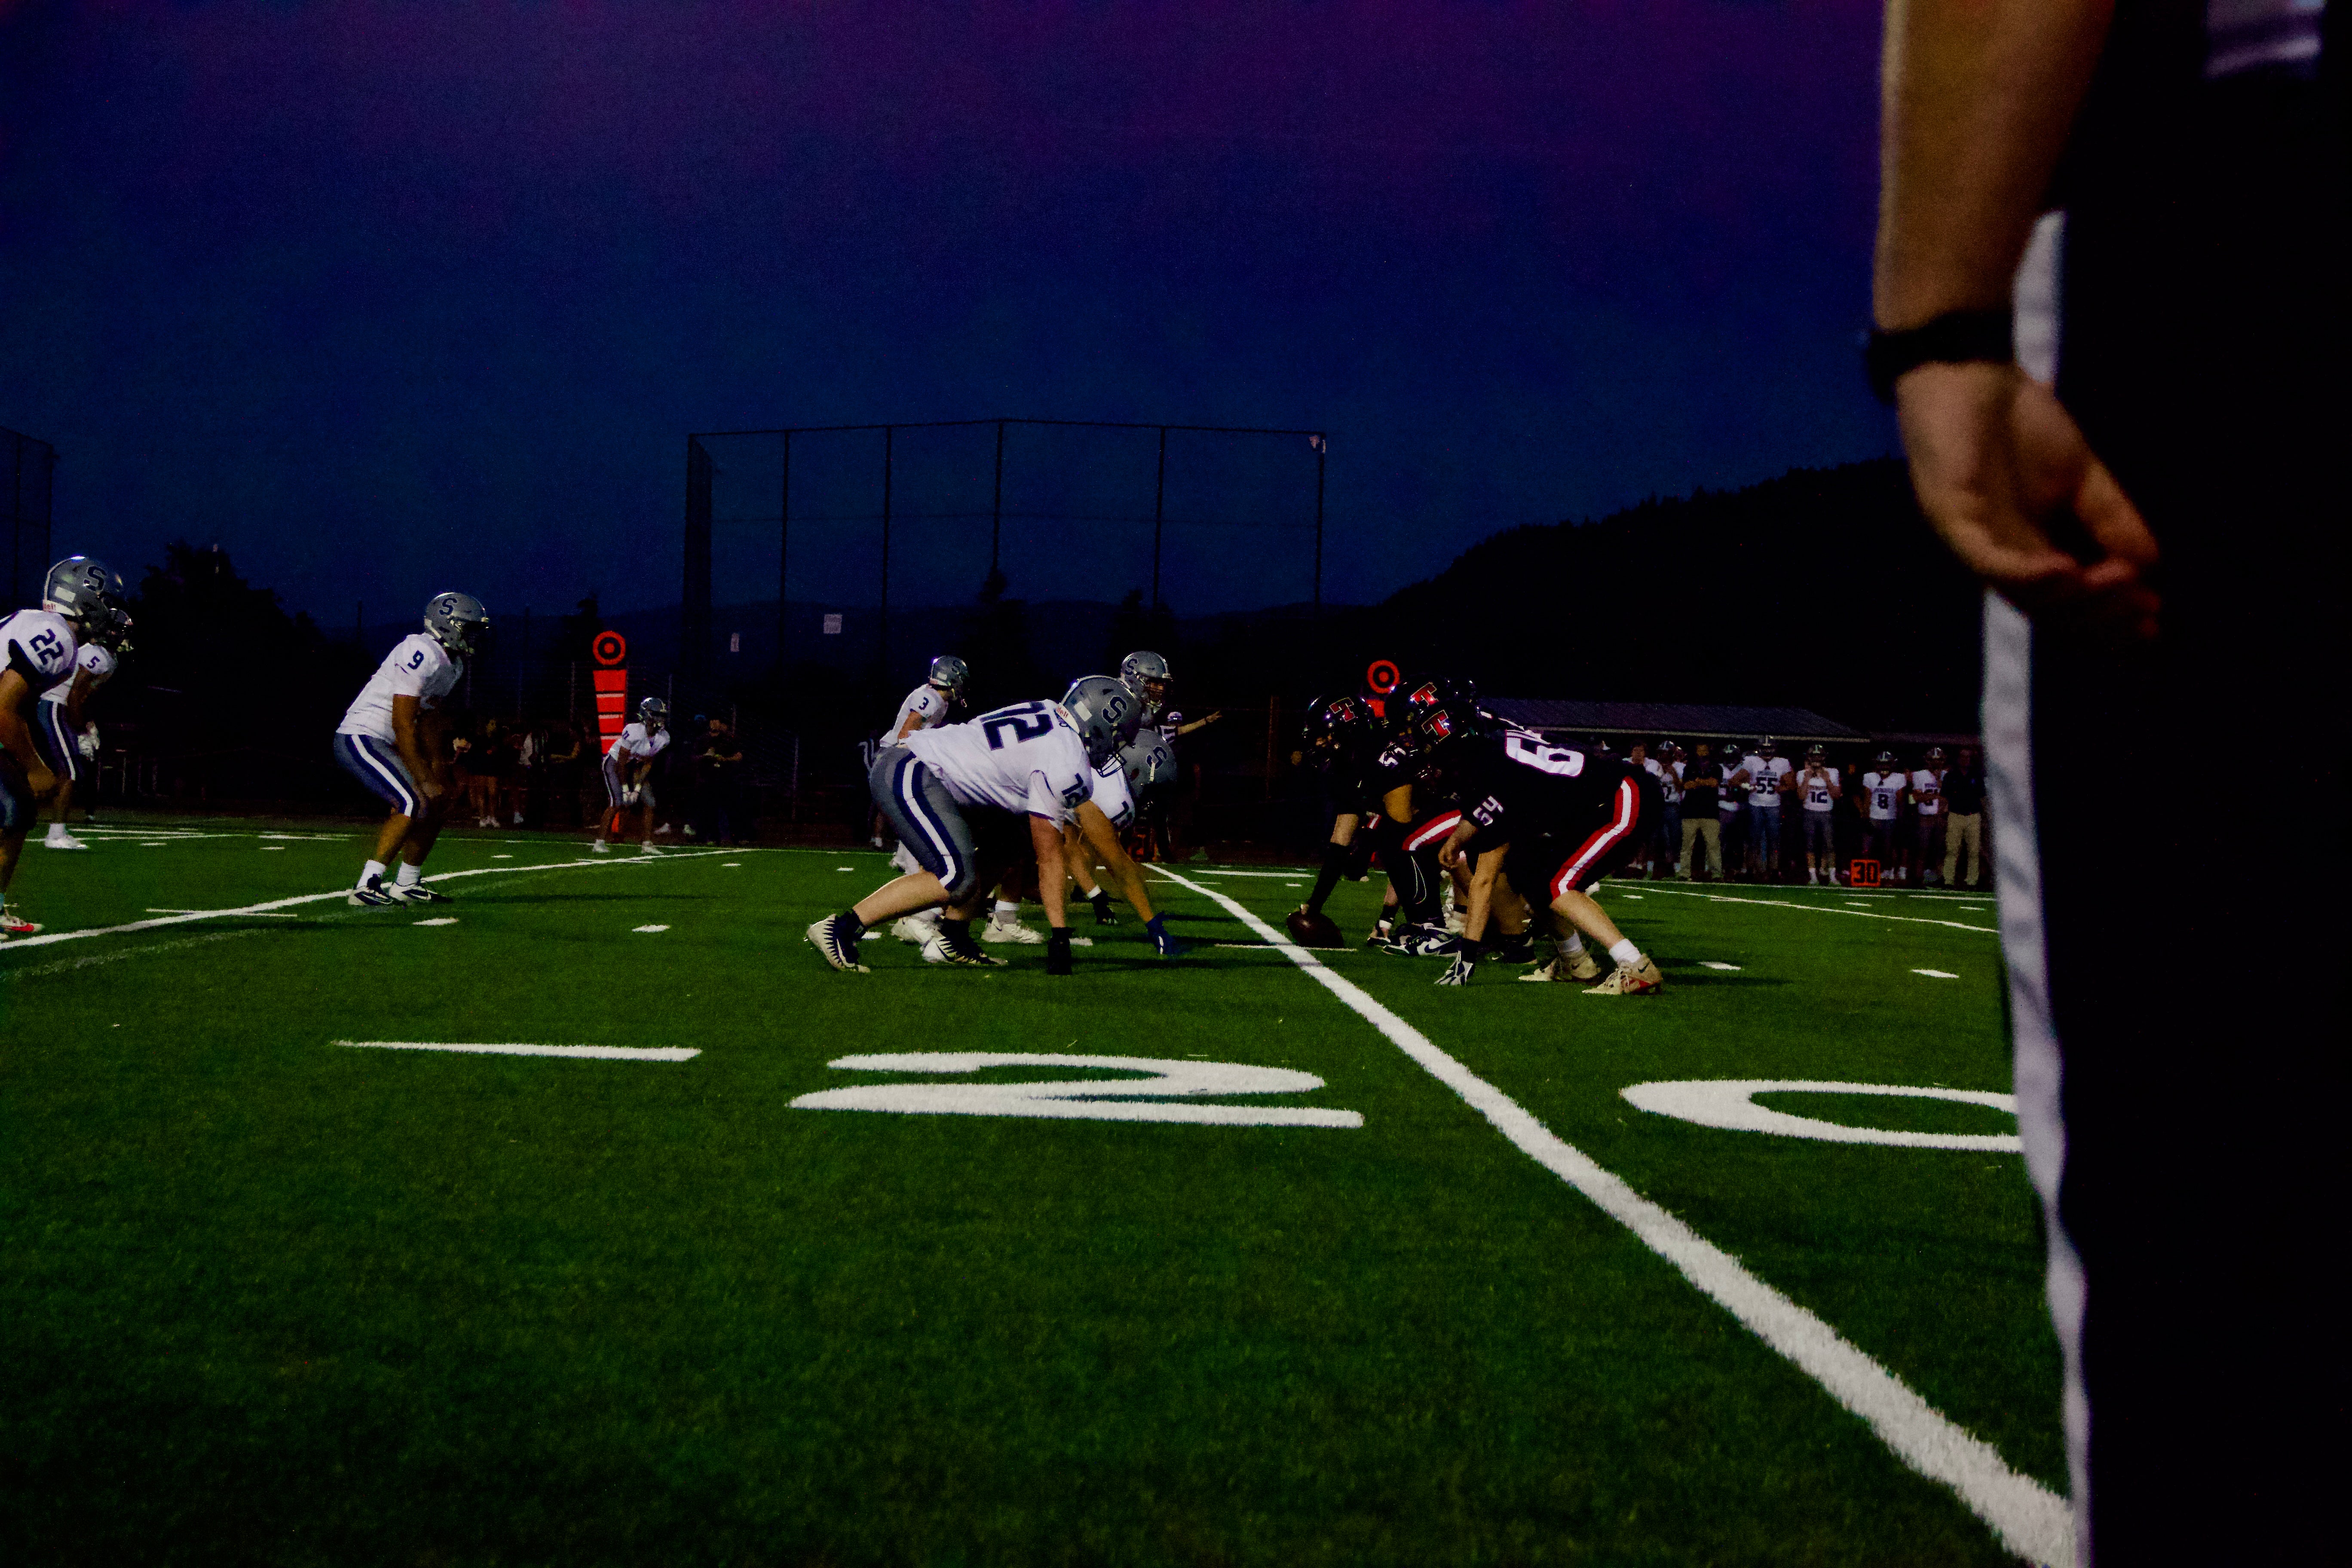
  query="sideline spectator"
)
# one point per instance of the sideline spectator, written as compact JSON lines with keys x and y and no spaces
{"x":1927,"y":795}
{"x":1964,"y":793}
{"x":1667,"y":768}
{"x":465,"y":765}
{"x":718,"y":768}
{"x":1883,"y":788}
{"x":560,"y":775}
{"x":514,"y":774}
{"x":1769,"y":777}
{"x":1702,"y":783}
{"x":1818,"y":786}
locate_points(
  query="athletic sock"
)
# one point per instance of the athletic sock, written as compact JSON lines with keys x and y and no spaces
{"x":1626,"y":953}
{"x":1569,"y":946}
{"x":1334,"y":866}
{"x":1005,"y":914}
{"x":371,"y":872}
{"x":409,"y":875}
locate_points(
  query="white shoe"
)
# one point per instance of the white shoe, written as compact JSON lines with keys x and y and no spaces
{"x":59,"y":839}
{"x":914,"y":929}
{"x":601,"y":847}
{"x":517,"y":819}
{"x":1016,"y":933}
{"x":649,"y":847}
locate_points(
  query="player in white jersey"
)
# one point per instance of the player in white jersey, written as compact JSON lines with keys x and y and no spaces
{"x":1883,"y":790}
{"x":1819,"y":791}
{"x":1117,"y":784}
{"x":629,"y":777}
{"x":67,"y":735}
{"x":1928,"y":797}
{"x":959,"y":795}
{"x":1768,"y":780}
{"x":928,"y":706}
{"x":391,"y":739}
{"x":39,"y":648}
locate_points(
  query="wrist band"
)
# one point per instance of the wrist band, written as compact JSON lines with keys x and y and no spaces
{"x":1956,"y":337}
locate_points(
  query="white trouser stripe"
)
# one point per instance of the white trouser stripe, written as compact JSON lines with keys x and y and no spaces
{"x":1575,"y":872}
{"x":2039,"y":1070}
{"x":365,"y":746}
{"x":911,"y":797}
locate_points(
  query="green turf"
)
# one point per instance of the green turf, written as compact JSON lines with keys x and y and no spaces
{"x":270,"y":1299}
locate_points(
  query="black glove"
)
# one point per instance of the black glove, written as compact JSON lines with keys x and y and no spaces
{"x":1057,"y":951}
{"x":1100,"y":899}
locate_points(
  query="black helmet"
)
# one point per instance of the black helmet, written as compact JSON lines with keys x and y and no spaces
{"x":1335,"y":726}
{"x":1430,"y":729}
{"x":1417,"y":696}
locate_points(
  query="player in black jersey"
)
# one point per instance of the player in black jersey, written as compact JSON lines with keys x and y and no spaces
{"x":1382,"y":812}
{"x":1543,"y":823}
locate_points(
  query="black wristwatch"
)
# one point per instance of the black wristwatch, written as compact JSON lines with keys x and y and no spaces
{"x":1956,"y":337}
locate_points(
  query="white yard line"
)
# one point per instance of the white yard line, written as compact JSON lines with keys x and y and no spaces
{"x":601,"y":1053}
{"x":267,"y":906}
{"x":1825,"y":910}
{"x":2030,"y":1518}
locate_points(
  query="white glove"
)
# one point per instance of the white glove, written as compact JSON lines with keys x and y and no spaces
{"x":1458,"y":973}
{"x":87,"y":744}
{"x":629,"y":795}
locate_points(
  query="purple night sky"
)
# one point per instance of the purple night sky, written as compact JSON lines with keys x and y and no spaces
{"x":388,"y":298}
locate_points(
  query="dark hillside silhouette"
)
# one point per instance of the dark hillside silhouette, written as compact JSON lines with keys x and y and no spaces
{"x":1820,"y":589}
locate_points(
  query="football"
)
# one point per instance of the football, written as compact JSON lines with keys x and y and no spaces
{"x":1312,"y":928}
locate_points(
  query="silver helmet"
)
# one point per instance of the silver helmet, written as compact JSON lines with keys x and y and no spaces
{"x":83,"y":590}
{"x":653,"y":713}
{"x":1147,"y":675}
{"x":950,"y":673}
{"x":456,"y":621}
{"x":1148,"y":762}
{"x":1107,"y":713}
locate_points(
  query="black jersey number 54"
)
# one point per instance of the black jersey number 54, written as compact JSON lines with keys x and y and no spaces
{"x":1022,"y":721}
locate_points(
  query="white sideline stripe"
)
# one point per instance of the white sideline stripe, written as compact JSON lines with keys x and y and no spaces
{"x":1936,"y":973}
{"x":1204,"y":871}
{"x":259,"y":917}
{"x":602,"y":1053}
{"x":1711,"y":964}
{"x":46,"y":937}
{"x":2030,"y":1518}
{"x":1825,"y":910}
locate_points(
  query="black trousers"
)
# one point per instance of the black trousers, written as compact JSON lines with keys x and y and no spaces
{"x":2179,"y":1032}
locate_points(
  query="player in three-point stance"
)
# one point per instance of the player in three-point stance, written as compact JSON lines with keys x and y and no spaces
{"x":78,"y":599}
{"x":1141,"y":764}
{"x":628,"y":781}
{"x":959,"y":794}
{"x":66,"y":736}
{"x":1546,"y":821}
{"x":391,"y":739}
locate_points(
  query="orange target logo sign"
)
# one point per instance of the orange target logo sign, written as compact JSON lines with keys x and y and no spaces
{"x":610,"y":648}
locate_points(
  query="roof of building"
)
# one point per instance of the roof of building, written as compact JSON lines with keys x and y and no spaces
{"x":1703,"y":720}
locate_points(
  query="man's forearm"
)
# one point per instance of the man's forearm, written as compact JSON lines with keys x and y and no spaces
{"x":1047,"y":838}
{"x":1978,"y":98}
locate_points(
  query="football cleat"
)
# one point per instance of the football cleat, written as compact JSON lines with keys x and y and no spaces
{"x":14,"y":924}
{"x":59,"y":839}
{"x":1424,"y":941}
{"x":649,"y":847}
{"x":914,"y":929}
{"x":1021,"y":935}
{"x":1641,"y":979}
{"x":826,"y":936}
{"x":601,"y":847}
{"x":418,"y":893}
{"x":370,"y":892}
{"x":1513,"y":950}
{"x":941,"y":949}
{"x":1558,"y":967}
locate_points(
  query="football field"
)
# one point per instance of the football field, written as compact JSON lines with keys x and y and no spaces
{"x":1339,"y":1267}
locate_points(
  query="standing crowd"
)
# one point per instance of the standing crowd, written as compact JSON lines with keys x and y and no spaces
{"x":1744,"y":813}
